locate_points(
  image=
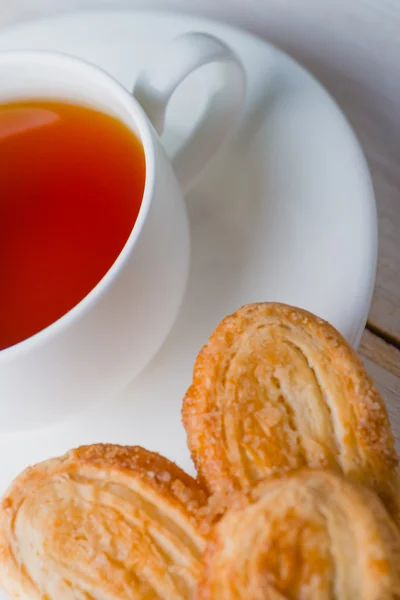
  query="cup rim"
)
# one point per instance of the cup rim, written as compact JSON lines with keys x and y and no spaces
{"x":131,"y":105}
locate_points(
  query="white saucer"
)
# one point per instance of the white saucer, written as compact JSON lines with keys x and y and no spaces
{"x":285,"y":213}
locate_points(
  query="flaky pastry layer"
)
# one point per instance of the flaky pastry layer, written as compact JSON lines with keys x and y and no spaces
{"x":102,"y":522}
{"x":310,"y":535}
{"x":277,"y":388}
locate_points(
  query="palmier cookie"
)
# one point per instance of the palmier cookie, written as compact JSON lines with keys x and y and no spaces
{"x":277,"y":388}
{"x":310,"y":535}
{"x":101,"y":522}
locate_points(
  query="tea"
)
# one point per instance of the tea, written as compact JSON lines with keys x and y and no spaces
{"x":71,"y":186}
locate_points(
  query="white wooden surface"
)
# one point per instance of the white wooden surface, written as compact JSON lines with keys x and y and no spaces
{"x":353,"y":47}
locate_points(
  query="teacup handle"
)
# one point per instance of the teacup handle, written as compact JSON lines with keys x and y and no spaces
{"x":157,"y":82}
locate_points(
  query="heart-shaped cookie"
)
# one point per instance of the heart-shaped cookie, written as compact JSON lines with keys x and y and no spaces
{"x":277,"y":388}
{"x":310,"y":535}
{"x":102,"y":522}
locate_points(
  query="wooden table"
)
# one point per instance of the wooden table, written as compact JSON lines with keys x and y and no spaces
{"x":353,"y":47}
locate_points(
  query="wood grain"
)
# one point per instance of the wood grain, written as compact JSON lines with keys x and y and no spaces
{"x":385,"y":309}
{"x":383,"y":363}
{"x":385,"y":355}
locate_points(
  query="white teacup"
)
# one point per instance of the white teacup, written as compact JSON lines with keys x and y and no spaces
{"x":95,"y":349}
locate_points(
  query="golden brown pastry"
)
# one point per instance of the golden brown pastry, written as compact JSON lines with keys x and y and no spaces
{"x":310,"y":535}
{"x":277,"y":388}
{"x":103,"y":522}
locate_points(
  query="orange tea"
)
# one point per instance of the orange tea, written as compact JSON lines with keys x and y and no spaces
{"x":71,"y":186}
